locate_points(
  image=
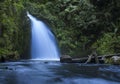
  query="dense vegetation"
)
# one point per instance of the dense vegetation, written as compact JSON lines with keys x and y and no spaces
{"x":79,"y":25}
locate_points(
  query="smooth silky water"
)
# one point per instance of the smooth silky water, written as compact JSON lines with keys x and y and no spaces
{"x":43,"y":41}
{"x":42,"y":72}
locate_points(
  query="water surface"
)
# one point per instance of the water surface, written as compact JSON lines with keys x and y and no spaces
{"x":40,"y":72}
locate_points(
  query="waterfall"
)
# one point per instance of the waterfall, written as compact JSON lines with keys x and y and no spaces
{"x":43,"y":41}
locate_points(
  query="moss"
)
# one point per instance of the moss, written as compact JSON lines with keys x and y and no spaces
{"x":3,"y":52}
{"x":112,"y":61}
{"x":109,"y":61}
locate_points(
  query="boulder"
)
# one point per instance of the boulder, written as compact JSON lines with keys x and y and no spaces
{"x":115,"y":59}
{"x":65,"y":58}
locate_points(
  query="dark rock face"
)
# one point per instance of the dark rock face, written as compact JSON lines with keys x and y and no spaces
{"x":65,"y":58}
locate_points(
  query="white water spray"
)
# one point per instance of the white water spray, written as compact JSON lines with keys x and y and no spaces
{"x":43,"y":42}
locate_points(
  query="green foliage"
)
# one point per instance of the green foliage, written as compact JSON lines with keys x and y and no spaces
{"x":104,"y":45}
{"x":79,"y":25}
{"x":3,"y":52}
{"x":109,"y":61}
{"x":12,"y":28}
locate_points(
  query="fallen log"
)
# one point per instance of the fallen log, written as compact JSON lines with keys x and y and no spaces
{"x":84,"y":59}
{"x":108,"y":56}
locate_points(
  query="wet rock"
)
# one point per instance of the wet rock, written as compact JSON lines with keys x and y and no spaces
{"x":57,"y":79}
{"x":65,"y":58}
{"x":46,"y":62}
{"x":2,"y":59}
{"x":115,"y":59}
{"x":11,"y":68}
{"x":6,"y":67}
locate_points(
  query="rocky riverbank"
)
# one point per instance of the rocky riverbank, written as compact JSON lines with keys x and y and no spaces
{"x":109,"y":59}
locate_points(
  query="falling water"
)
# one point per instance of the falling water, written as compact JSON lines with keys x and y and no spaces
{"x":43,"y":42}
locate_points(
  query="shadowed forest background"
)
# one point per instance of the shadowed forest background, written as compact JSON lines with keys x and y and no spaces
{"x":79,"y":26}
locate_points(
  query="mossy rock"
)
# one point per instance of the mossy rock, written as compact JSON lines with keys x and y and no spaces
{"x":13,"y":56}
{"x":113,"y":60}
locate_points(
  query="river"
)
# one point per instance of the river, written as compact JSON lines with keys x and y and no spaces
{"x":40,"y":72}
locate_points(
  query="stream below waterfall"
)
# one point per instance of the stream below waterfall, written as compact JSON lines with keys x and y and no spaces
{"x":41,"y":72}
